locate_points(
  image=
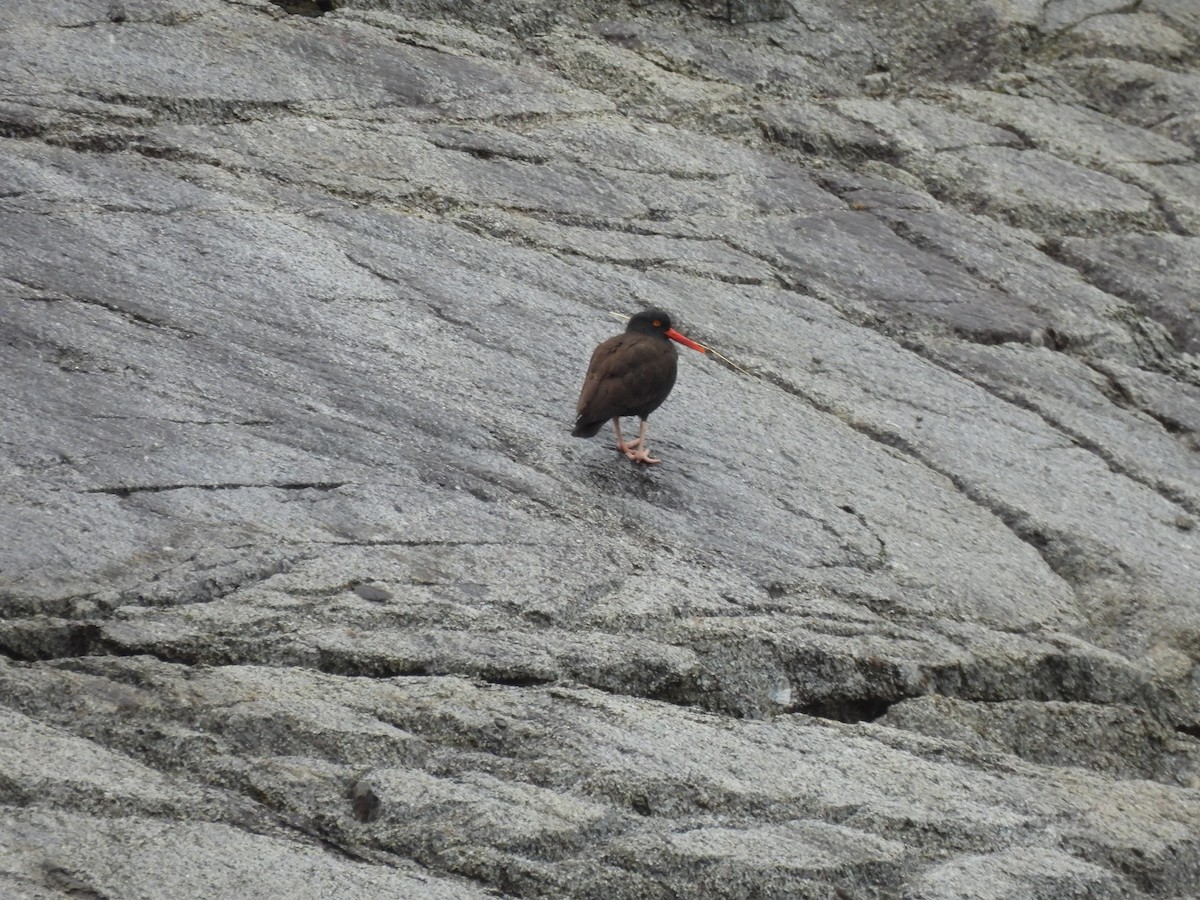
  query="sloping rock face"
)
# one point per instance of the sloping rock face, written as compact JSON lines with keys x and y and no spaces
{"x":306,"y":591}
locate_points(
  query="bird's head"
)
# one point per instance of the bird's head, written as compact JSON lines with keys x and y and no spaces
{"x":655,"y":321}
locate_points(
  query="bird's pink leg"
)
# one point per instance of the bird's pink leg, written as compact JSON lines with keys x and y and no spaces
{"x":623,"y":447}
{"x":642,"y":455}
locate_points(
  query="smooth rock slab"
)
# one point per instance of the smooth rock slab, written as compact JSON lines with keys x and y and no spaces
{"x":1033,"y":189}
{"x":294,"y":313}
{"x":1139,"y":36}
{"x":625,"y":794}
{"x":1022,"y":875}
{"x":1155,"y":272}
{"x":144,"y":857}
{"x":1061,"y":734}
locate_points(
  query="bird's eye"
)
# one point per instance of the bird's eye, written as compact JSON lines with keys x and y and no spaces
{"x":657,"y":323}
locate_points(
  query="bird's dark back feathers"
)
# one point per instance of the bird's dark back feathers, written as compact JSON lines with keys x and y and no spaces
{"x":629,"y":375}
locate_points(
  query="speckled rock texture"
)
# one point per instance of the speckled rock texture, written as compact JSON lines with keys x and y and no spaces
{"x":307,"y":592}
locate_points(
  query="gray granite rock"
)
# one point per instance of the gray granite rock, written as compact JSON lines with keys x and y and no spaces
{"x":305,"y":590}
{"x":1142,"y":36}
{"x":1155,"y":272}
{"x":1161,"y":100}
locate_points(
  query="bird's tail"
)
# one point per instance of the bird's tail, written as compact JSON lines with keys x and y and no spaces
{"x":587,"y":429}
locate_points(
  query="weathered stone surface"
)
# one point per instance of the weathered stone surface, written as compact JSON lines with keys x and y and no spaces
{"x":1145,"y":37}
{"x":1060,"y":14}
{"x":739,"y":12}
{"x":60,"y":854}
{"x":305,"y":587}
{"x":1155,"y":272}
{"x":1161,"y":100}
{"x":1036,"y":190}
{"x":1124,"y":741}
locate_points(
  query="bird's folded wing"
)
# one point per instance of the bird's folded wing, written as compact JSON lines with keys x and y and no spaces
{"x":625,"y":376}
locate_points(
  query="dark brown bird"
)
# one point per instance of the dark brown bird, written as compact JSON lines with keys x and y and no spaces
{"x":630,"y":375}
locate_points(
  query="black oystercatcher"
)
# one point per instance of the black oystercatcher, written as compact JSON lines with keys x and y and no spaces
{"x":630,"y":375}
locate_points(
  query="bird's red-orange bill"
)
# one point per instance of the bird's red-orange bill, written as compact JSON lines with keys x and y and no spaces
{"x":687,"y":342}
